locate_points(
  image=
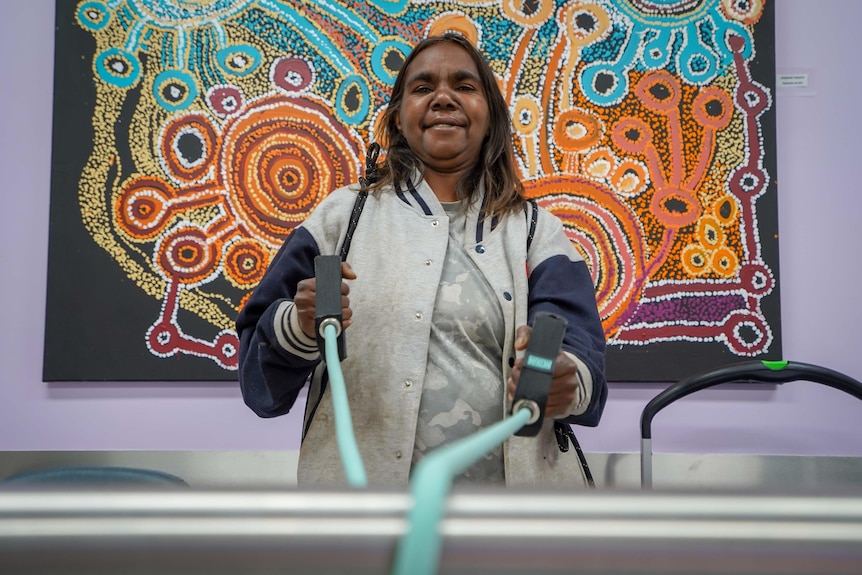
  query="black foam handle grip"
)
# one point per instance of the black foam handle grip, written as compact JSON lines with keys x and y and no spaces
{"x":538,"y":367}
{"x":327,"y":302}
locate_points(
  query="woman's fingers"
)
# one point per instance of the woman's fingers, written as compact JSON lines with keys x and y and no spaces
{"x":347,"y":271}
{"x":306,"y":291}
{"x":564,"y":383}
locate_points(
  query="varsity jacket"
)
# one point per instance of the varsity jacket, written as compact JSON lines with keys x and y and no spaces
{"x":397,"y":253}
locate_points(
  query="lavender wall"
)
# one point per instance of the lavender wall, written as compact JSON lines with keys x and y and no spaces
{"x":820,"y":202}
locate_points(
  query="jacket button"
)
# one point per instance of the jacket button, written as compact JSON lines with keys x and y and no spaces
{"x":480,"y":249}
{"x":507,"y":296}
{"x":427,"y":262}
{"x":408,"y":383}
{"x":418,"y":315}
{"x":435,"y":223}
{"x":398,"y":455}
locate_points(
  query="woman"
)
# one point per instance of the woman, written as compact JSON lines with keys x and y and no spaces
{"x":438,"y":303}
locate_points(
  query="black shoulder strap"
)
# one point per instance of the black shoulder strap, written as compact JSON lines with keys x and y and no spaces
{"x":371,"y":176}
{"x":354,"y":219}
{"x":534,"y":217}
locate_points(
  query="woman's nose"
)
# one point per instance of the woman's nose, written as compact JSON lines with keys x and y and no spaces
{"x":444,"y":97}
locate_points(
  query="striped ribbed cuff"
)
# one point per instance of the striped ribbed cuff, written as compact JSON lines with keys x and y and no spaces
{"x":585,"y":390}
{"x":289,"y":333}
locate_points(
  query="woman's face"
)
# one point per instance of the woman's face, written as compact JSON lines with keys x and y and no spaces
{"x":444,"y":111}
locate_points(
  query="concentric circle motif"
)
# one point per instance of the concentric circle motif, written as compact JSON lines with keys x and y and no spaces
{"x":725,"y":210}
{"x":353,"y":100}
{"x":225,"y":101}
{"x":227,"y":349}
{"x":604,"y":84}
{"x":756,"y":279}
{"x":239,"y":59}
{"x":632,"y":135}
{"x":630,"y":178}
{"x":164,"y":339}
{"x":577,"y":131}
{"x":712,"y":108}
{"x":585,"y":23}
{"x":245,"y":261}
{"x":143,"y":207}
{"x":526,"y":116}
{"x":117,"y":67}
{"x":174,"y":90}
{"x":292,"y":75}
{"x":607,"y":234}
{"x":93,"y":16}
{"x":186,"y":255}
{"x":709,"y":232}
{"x":659,"y":90}
{"x":599,"y":163}
{"x":675,"y":207}
{"x":189,"y":146}
{"x":695,"y":260}
{"x":746,"y":333}
{"x":725,"y":262}
{"x":745,"y":11}
{"x":387,"y":58}
{"x":282,"y":156}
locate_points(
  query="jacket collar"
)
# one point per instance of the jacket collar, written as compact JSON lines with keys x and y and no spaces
{"x":419,"y":195}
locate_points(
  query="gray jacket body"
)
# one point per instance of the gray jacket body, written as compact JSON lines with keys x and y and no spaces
{"x":397,"y":253}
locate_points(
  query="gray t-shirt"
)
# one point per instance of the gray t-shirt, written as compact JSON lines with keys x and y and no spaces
{"x":464,"y":380}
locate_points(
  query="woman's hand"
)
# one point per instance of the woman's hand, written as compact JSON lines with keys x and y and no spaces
{"x":306,"y":292}
{"x":564,"y":380}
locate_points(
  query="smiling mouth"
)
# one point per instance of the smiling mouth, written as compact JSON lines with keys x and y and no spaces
{"x":443,"y":125}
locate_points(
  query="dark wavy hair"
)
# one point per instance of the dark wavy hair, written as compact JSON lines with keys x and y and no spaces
{"x":496,"y":166}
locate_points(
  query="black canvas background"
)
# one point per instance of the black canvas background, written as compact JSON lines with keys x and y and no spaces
{"x":97,"y":319}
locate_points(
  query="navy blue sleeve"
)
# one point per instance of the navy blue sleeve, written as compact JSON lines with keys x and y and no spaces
{"x":270,"y":377}
{"x":559,"y":285}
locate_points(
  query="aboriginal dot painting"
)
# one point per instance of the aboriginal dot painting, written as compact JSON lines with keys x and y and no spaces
{"x":192,"y":137}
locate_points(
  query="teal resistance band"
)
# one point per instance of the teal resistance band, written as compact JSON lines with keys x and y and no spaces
{"x":350,"y":458}
{"x":419,"y":550}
